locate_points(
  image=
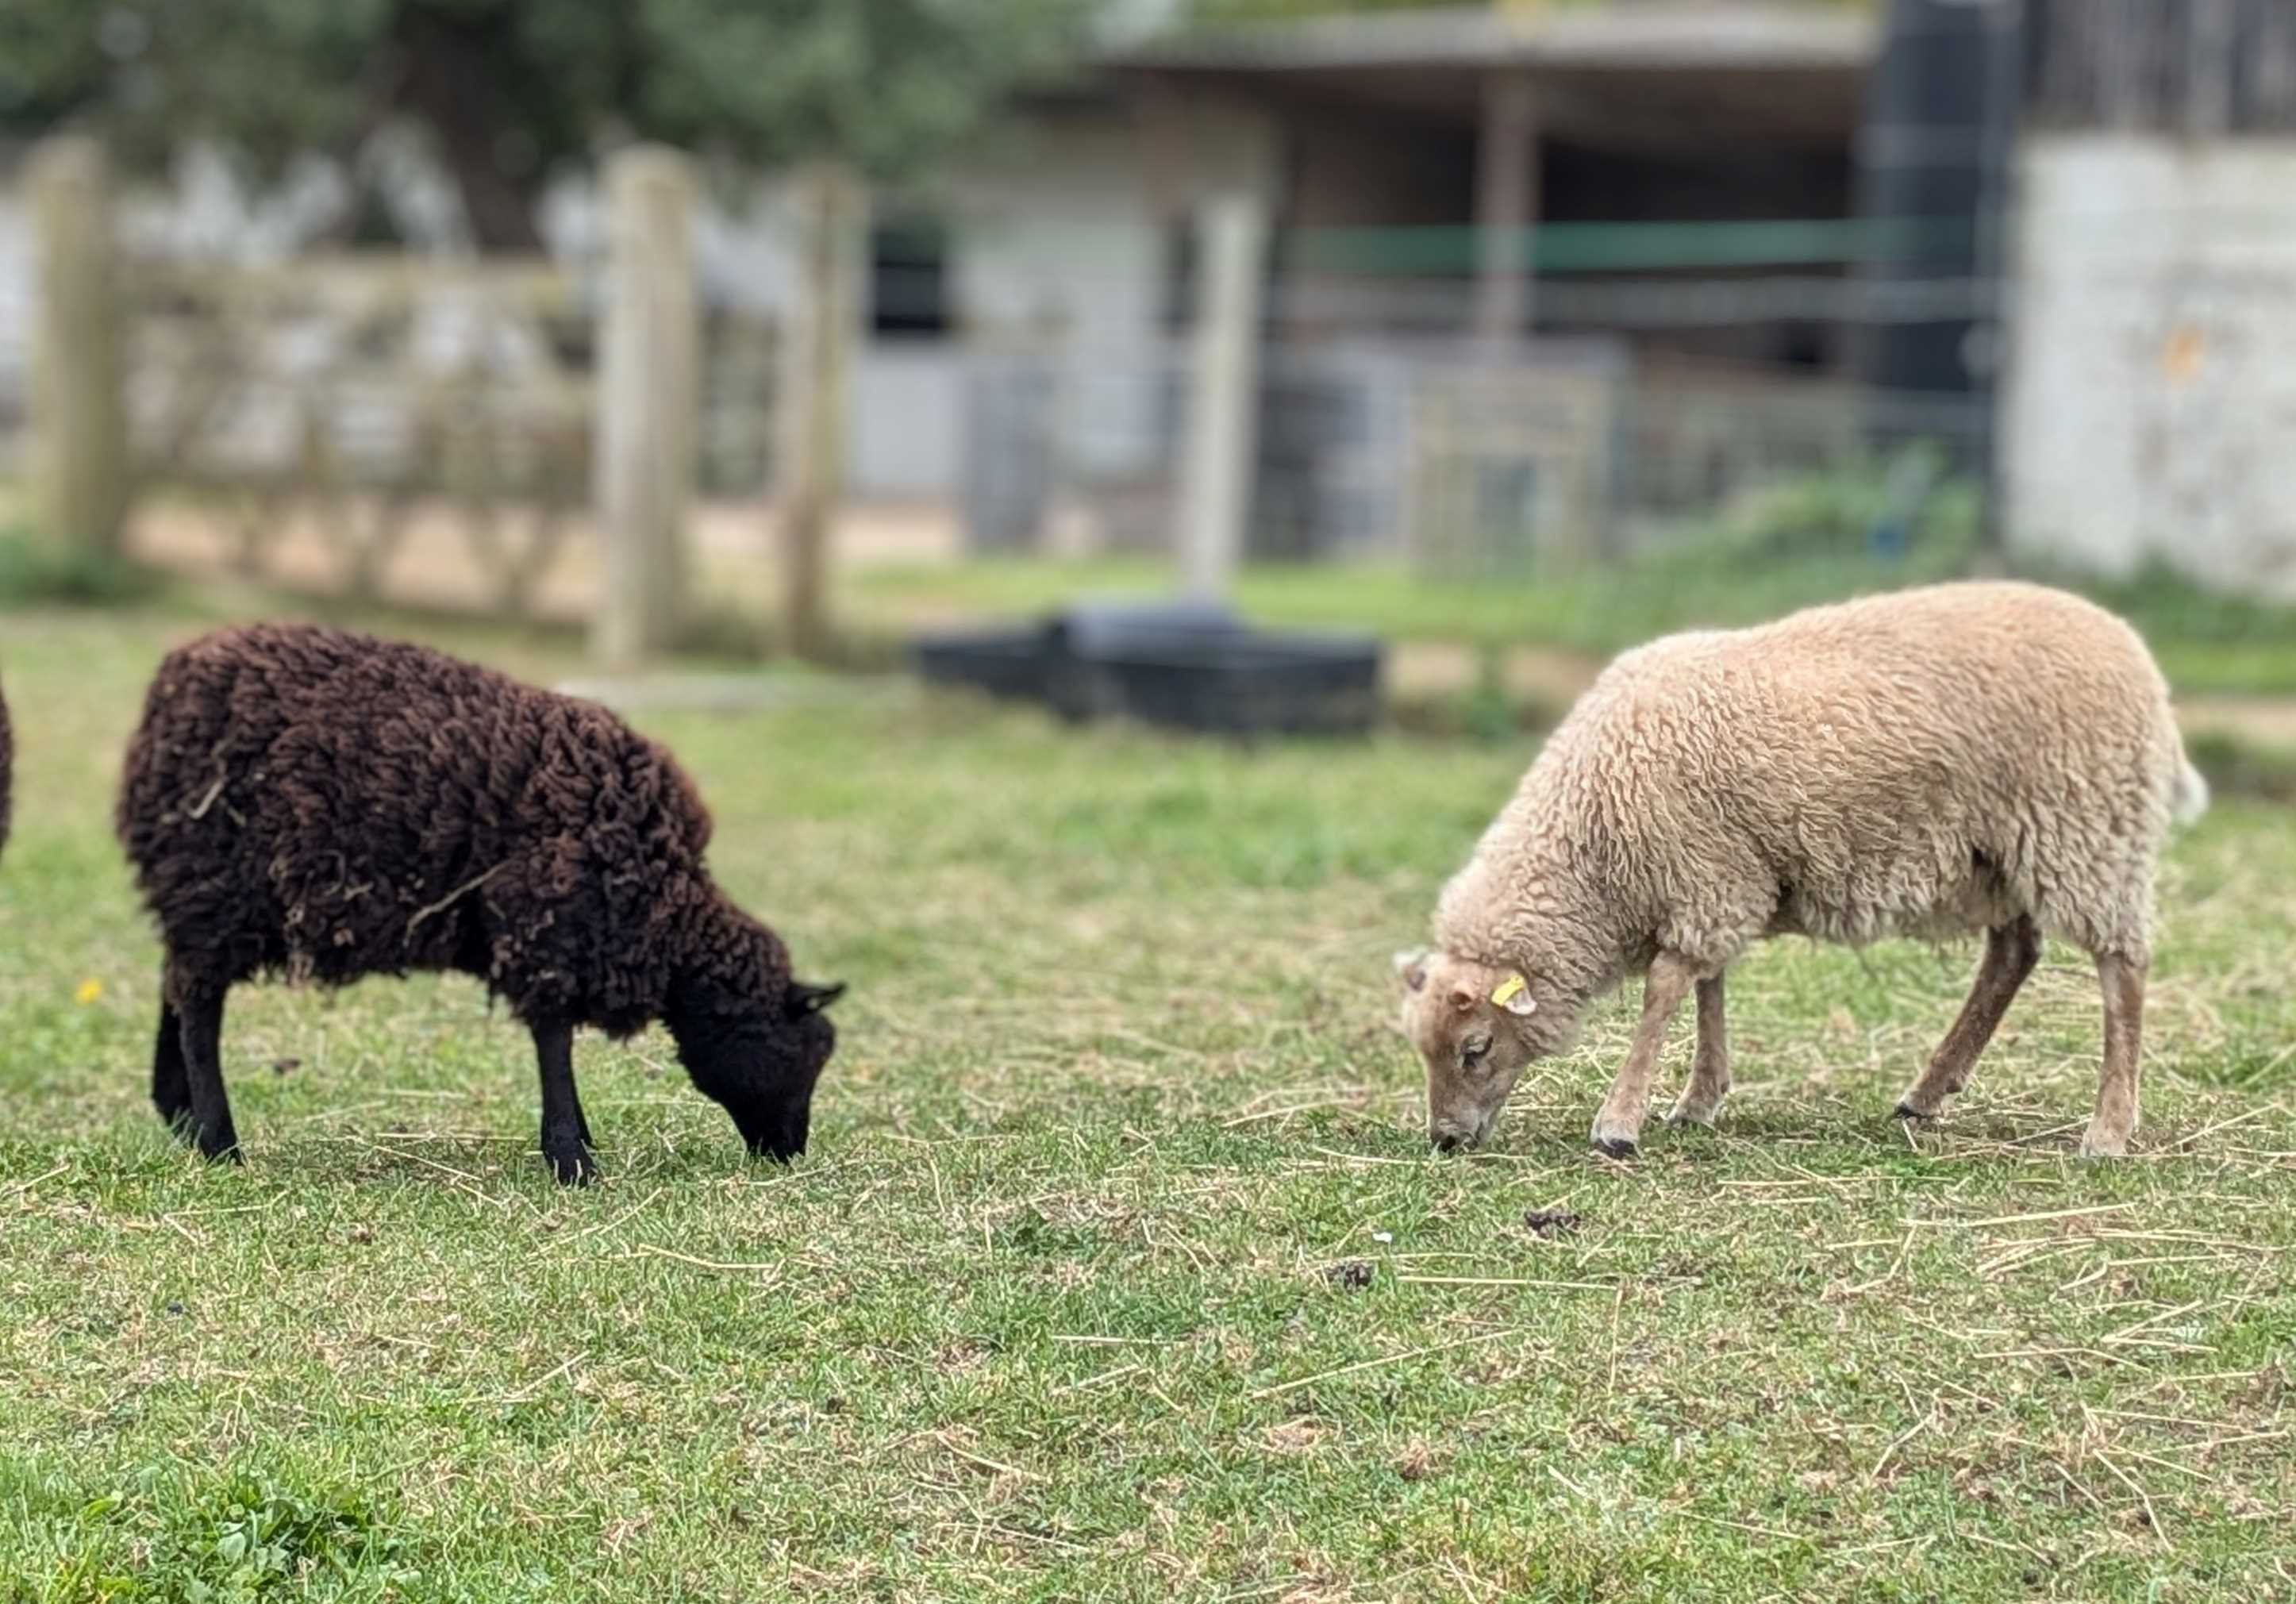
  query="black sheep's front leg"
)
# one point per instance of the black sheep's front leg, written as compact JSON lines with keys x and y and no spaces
{"x":200,"y":1038}
{"x":171,"y":1087}
{"x":565,"y":1134}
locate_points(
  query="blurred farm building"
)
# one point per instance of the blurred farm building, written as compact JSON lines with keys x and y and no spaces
{"x":1543,"y":284}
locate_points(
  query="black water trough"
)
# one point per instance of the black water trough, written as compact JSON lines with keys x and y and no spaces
{"x":1185,"y":665}
{"x":1008,"y":663}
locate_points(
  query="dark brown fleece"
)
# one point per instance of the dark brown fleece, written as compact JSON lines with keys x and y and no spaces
{"x":307,"y":802}
{"x":7,"y":772}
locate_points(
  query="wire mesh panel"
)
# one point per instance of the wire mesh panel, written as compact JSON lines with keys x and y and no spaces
{"x":1332,"y":475}
{"x":1512,"y":466}
{"x":740,"y":375}
{"x":1071,"y":449}
{"x":1011,"y":425}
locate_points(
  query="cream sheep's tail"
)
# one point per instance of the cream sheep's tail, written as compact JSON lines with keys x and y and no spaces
{"x":2191,"y":795}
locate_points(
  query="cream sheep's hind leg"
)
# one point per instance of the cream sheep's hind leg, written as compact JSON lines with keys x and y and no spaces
{"x":2115,"y":1119}
{"x":1710,"y":1071}
{"x":2011,"y":951}
{"x":1618,"y":1124}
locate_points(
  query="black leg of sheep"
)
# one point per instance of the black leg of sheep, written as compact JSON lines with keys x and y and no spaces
{"x":565,"y":1134}
{"x":199,"y":1034}
{"x":171,"y":1087}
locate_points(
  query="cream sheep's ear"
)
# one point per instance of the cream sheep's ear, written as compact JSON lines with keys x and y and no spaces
{"x":1412,"y":967}
{"x":1514,"y":994}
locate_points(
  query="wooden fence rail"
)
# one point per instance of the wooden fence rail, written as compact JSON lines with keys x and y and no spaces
{"x":338,"y":400}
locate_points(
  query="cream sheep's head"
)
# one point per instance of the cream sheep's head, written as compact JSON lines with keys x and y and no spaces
{"x":1477,"y":1027}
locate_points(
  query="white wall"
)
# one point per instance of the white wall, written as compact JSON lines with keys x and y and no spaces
{"x":905,"y":416}
{"x":2152,"y":403}
{"x":1060,"y":238}
{"x":1053,"y":232}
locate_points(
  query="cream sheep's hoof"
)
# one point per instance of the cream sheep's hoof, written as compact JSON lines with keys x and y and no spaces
{"x":1617,"y":1141}
{"x":2104,"y":1144}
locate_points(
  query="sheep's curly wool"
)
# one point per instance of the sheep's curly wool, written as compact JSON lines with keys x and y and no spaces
{"x":311,"y":803}
{"x":1923,"y":763}
{"x":1989,"y":756}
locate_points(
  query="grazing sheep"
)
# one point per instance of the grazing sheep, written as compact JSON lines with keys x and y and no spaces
{"x":322,"y":806}
{"x":1991,"y":757}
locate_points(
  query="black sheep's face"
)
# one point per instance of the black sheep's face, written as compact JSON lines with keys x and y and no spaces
{"x":761,"y":1067}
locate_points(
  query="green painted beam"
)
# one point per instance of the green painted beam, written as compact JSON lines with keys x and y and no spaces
{"x":1648,"y":247}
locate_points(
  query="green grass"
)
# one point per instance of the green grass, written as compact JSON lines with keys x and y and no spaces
{"x":2206,"y":644}
{"x":1045,"y":1313}
{"x":1594,"y":610}
{"x":33,"y":572}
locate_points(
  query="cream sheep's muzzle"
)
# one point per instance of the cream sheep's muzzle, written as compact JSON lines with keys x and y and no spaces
{"x":1461,"y":1127}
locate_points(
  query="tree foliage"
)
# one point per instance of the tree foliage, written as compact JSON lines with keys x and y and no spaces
{"x":511,"y":89}
{"x":1281,"y":11}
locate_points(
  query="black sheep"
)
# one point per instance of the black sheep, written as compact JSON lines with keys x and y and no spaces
{"x":322,"y":806}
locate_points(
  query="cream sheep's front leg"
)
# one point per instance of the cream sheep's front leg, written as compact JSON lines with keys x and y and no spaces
{"x":1709,"y":1072}
{"x":1618,"y":1124}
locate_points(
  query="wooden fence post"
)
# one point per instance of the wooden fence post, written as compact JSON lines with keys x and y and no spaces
{"x":816,"y":378}
{"x":648,"y":376}
{"x":1221,"y":443}
{"x":78,"y":416}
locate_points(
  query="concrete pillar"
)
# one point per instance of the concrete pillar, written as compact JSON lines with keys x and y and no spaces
{"x":1222,"y":445}
{"x":1507,"y":208}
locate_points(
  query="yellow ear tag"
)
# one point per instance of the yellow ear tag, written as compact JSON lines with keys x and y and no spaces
{"x":1507,"y":988}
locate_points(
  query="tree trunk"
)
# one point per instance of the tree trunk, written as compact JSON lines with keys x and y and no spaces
{"x":447,"y":84}
{"x":813,"y":401}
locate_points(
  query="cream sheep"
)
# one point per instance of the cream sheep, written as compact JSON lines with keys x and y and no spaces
{"x":1977,"y":756}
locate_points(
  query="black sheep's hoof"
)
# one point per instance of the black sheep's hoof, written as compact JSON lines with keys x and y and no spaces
{"x":222,"y":1153}
{"x":575,"y":1168}
{"x":779,"y":1140}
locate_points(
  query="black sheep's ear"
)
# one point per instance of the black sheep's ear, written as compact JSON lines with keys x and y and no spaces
{"x":801,"y":999}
